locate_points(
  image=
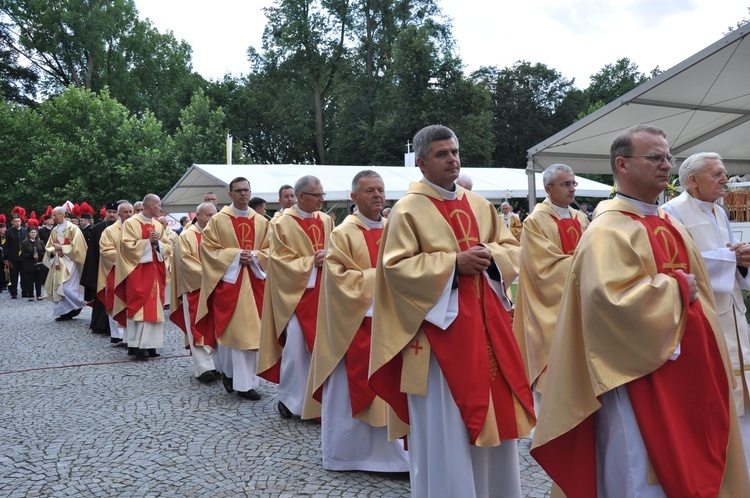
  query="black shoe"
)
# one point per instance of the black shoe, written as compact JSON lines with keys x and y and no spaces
{"x":75,"y":313}
{"x":252,"y":394}
{"x":152,"y":353}
{"x":140,"y":354}
{"x":31,"y":299}
{"x":283,"y":410}
{"x":131,"y":351}
{"x":14,"y":297}
{"x":39,"y":298}
{"x":207,"y":377}
{"x":115,"y":340}
{"x":228,"y":384}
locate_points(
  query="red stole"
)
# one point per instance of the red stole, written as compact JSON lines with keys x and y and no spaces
{"x":478,"y":353}
{"x":357,"y":358}
{"x":307,"y":308}
{"x":682,"y":407}
{"x":191,"y":300}
{"x":224,"y":299}
{"x":144,"y":286}
{"x":570,"y":233}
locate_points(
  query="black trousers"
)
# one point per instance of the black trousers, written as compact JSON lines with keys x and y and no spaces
{"x":31,"y":281}
{"x":14,"y":274}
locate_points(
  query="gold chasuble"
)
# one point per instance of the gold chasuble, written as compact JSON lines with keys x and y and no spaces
{"x":547,"y":245}
{"x":109,"y":244}
{"x":477,"y":353}
{"x":186,"y":281}
{"x":291,"y":262}
{"x":139,"y":286}
{"x":343,"y":329}
{"x":625,"y":310}
{"x":74,"y":248}
{"x":231,"y":312}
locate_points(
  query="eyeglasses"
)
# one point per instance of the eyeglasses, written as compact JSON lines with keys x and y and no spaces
{"x":319,"y":196}
{"x":241,"y":191}
{"x":657,"y":159}
{"x":565,"y":184}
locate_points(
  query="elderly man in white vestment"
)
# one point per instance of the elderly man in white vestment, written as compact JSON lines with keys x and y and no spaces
{"x":703,"y":177}
{"x":65,"y":255}
{"x":354,"y":435}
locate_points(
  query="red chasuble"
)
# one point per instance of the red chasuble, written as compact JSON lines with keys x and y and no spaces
{"x":478,"y":353}
{"x":357,"y":358}
{"x":307,"y":308}
{"x":224,"y":299}
{"x":190,"y":300}
{"x":687,"y":441}
{"x":570,"y":233}
{"x":144,"y":282}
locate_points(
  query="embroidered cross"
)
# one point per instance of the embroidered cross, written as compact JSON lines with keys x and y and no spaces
{"x":416,"y":347}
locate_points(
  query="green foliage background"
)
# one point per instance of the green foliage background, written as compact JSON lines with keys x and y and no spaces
{"x":111,"y":108}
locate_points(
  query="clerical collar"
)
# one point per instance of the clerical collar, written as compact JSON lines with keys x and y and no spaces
{"x":370,"y":223}
{"x":144,"y":217}
{"x":646,"y":208}
{"x":303,"y":214}
{"x":564,"y":212}
{"x":61,"y":226}
{"x":447,"y":195}
{"x":239,"y":212}
{"x":705,"y":206}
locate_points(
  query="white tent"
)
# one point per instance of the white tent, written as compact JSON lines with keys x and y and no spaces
{"x":703,"y":105}
{"x":495,"y":184}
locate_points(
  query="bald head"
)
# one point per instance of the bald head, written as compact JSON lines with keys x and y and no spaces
{"x":151,"y":206}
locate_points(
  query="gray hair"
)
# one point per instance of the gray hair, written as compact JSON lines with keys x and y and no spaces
{"x":694,"y":164}
{"x":433,"y":133}
{"x":550,"y":174}
{"x":367,"y":173}
{"x":622,"y":145}
{"x":304,"y":182}
{"x":124,"y":204}
{"x":506,"y":203}
{"x":204,"y":205}
{"x":58,"y":209}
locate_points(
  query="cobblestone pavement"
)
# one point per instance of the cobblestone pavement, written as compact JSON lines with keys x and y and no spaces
{"x":80,"y":419}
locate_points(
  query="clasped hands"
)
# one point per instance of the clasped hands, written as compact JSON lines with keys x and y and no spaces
{"x":473,"y":261}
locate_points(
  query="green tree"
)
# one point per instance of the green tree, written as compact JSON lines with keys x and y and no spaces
{"x":305,"y":41}
{"x":20,"y":129}
{"x":17,"y":82}
{"x":613,"y":81}
{"x":529,"y":103}
{"x":89,"y":147}
{"x":201,"y":137}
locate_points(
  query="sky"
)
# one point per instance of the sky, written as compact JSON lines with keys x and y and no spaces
{"x":575,"y":37}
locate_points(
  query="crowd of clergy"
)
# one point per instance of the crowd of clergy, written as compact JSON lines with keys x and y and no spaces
{"x":623,"y":351}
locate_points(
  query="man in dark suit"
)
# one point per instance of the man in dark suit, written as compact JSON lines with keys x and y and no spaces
{"x":12,"y":251}
{"x":89,"y":275}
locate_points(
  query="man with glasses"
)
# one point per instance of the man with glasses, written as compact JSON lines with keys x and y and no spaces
{"x":298,"y":248}
{"x":637,"y":398}
{"x":550,"y":236}
{"x":141,"y":279}
{"x":234,"y":257}
{"x":704,"y":177}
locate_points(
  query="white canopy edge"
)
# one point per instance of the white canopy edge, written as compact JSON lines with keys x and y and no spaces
{"x":495,"y":184}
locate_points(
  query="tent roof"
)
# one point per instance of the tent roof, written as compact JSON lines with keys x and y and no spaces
{"x":703,"y":105}
{"x":495,"y":184}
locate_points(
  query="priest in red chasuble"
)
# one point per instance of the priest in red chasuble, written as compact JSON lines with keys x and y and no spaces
{"x":551,"y":234}
{"x":109,"y":246}
{"x":186,"y":289}
{"x":637,"y":398}
{"x":444,"y":356}
{"x":298,"y":248}
{"x":234,"y":257}
{"x":353,"y":423}
{"x":140,"y":280}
